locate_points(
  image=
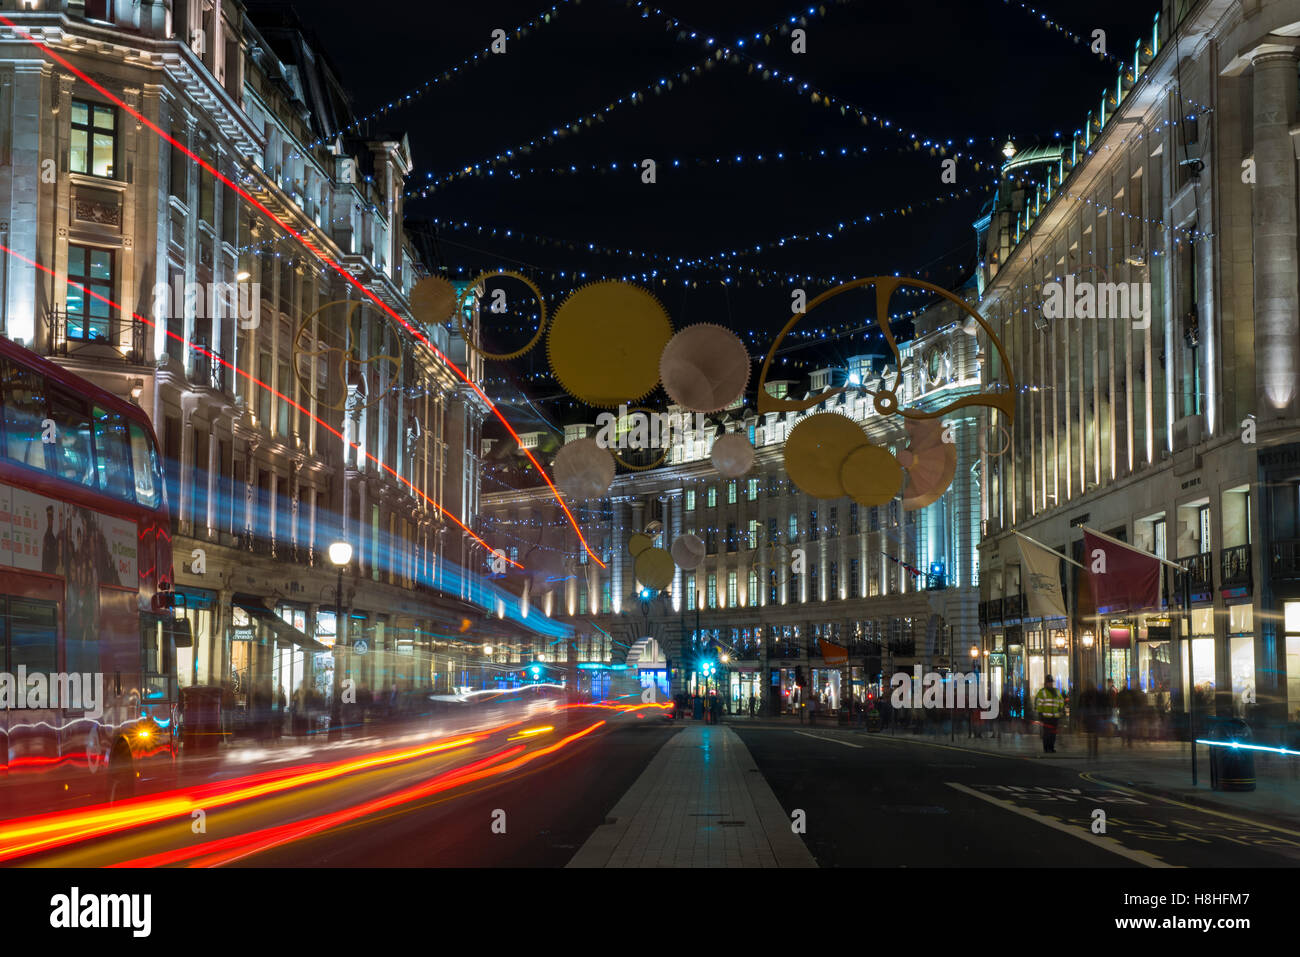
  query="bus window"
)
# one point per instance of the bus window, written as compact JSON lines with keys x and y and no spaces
{"x":112,"y":459}
{"x":32,"y":634}
{"x":24,"y":413}
{"x":73,"y":459}
{"x":144,"y":465}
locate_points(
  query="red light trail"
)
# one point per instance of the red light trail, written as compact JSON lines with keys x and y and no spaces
{"x":310,"y":247}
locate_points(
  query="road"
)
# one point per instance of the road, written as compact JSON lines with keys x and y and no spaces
{"x":877,"y":801}
{"x":529,"y":794}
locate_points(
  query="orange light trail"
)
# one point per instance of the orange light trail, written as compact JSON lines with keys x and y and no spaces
{"x":211,"y":355}
{"x":310,"y":247}
{"x":227,"y":850}
{"x":47,"y":831}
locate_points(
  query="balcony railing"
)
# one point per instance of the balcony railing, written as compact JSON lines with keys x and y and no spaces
{"x":995,"y":609}
{"x":209,"y":367}
{"x":136,"y":337}
{"x":1234,"y":567}
{"x":1200,"y":569}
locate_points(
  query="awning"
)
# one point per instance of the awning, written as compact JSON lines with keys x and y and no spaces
{"x":281,"y":628}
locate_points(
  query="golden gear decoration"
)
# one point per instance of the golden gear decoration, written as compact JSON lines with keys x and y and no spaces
{"x":433,"y":300}
{"x":816,"y":450}
{"x":469,"y":290}
{"x":870,"y":475}
{"x":639,"y":543}
{"x":886,"y":400}
{"x":349,"y":365}
{"x":605,"y":342}
{"x":654,"y":569}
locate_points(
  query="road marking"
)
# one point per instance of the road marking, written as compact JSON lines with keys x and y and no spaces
{"x":950,"y":747}
{"x":1076,"y":830}
{"x":818,"y":737}
{"x":1087,"y":776}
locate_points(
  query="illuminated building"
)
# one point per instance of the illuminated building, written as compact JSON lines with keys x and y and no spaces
{"x":1173,"y":431}
{"x":894,"y":587}
{"x":257,"y":488}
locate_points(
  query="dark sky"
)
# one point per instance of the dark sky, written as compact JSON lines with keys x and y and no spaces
{"x":974,"y":69}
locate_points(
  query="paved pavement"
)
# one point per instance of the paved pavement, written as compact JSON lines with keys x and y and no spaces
{"x":700,"y":803}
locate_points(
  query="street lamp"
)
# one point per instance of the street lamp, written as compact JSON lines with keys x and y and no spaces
{"x":340,"y":554}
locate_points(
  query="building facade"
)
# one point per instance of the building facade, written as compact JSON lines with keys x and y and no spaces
{"x":894,"y":587}
{"x":1159,"y":405}
{"x":292,"y":413}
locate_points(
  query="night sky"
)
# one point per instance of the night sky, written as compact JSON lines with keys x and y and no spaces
{"x":973,"y":72}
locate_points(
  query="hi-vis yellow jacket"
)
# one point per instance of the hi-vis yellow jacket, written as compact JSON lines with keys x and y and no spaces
{"x":1049,"y":703}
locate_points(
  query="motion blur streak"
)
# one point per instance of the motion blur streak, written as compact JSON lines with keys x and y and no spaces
{"x":45,"y":832}
{"x":251,"y":378}
{"x":310,"y":247}
{"x":231,"y":849}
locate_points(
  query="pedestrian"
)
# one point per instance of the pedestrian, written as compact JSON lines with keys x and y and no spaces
{"x":751,"y":704}
{"x":1049,"y":704}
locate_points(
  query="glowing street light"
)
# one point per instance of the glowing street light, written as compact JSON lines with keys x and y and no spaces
{"x":340,"y":554}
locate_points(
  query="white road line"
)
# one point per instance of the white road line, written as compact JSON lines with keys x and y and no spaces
{"x":847,"y":744}
{"x":1097,"y":840}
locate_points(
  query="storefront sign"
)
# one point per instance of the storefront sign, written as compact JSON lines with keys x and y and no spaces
{"x":1120,"y":637}
{"x":997,"y":660}
{"x":241,"y":634}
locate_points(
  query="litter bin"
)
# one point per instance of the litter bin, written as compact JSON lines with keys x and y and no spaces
{"x":1231,"y":768}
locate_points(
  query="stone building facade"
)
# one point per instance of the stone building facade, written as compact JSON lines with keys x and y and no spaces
{"x":233,"y":335}
{"x":1172,"y":429}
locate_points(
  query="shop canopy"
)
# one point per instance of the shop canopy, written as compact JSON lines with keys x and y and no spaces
{"x":281,"y":628}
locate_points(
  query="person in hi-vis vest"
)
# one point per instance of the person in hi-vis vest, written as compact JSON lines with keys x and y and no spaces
{"x":1050,"y":705}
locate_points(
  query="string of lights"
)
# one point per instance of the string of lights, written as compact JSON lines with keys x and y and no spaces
{"x":518,"y":33}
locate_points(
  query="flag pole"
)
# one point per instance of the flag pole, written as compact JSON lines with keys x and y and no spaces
{"x":1132,"y":548}
{"x":1045,"y":548}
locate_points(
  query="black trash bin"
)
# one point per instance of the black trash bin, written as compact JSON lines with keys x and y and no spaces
{"x":1231,"y":768}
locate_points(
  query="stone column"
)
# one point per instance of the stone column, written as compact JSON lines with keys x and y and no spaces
{"x":1277,"y":324}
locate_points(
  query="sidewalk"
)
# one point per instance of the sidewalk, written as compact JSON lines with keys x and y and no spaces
{"x":1158,"y":767}
{"x":701,"y":802}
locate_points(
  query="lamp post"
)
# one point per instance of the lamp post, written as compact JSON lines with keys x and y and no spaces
{"x":340,"y":554}
{"x":974,"y":663}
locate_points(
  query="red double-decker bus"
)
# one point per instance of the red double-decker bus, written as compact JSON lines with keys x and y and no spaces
{"x":87,"y":627}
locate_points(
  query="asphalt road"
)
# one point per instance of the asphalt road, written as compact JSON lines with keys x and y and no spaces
{"x":876,"y":801}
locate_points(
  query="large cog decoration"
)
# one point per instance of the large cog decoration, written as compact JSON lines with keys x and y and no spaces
{"x":541,"y":325}
{"x":705,"y":368}
{"x":931,"y":463}
{"x":433,"y":300}
{"x":654,"y":568}
{"x":605,"y":342}
{"x":886,"y":399}
{"x":339,"y":357}
{"x":583,"y":469}
{"x":732,"y":455}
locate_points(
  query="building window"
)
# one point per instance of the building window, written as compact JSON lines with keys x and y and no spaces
{"x":733,"y":597}
{"x":94,"y":139}
{"x":712,"y":587}
{"x":732,"y":536}
{"x":711,"y":541}
{"x":751,"y":592}
{"x":88,"y":317}
{"x":771,"y":531}
{"x":1161,"y":529}
{"x":773,"y":582}
{"x":853,"y":519}
{"x":812,"y":525}
{"x":753,"y":533}
{"x":833,"y":524}
{"x":873,"y":520}
{"x":692,"y":598}
{"x":690,"y":500}
{"x":605,"y":599}
{"x":813,"y":594}
{"x":751,"y":490}
{"x":794,"y":528}
{"x":582,"y":598}
{"x":855,"y":585}
{"x":833,"y":580}
{"x":731,"y":493}
{"x":713,"y":498}
{"x":99,"y":10}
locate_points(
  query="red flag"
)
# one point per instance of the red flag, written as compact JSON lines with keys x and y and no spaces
{"x":1123,"y":578}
